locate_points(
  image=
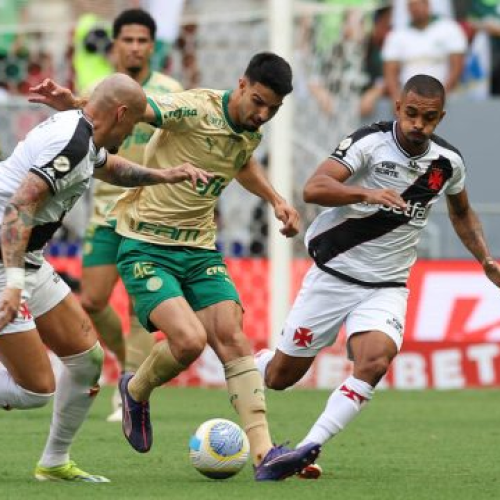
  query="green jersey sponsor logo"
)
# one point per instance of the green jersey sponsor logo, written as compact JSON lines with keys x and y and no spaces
{"x":170,"y":232}
{"x":214,"y":186}
{"x":180,"y":113}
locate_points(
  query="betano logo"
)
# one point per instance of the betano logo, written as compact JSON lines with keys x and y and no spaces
{"x":457,"y":306}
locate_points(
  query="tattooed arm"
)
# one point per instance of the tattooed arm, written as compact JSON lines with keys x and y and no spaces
{"x":469,"y":230}
{"x":17,"y":225}
{"x":121,"y":172}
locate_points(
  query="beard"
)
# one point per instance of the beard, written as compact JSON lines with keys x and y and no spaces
{"x":134,"y":70}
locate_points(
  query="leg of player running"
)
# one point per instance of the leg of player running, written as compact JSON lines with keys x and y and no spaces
{"x":97,"y":284}
{"x":27,"y":381}
{"x":372,"y":353}
{"x":68,"y":332}
{"x":138,"y":343}
{"x":223,"y":323}
{"x":186,"y":341}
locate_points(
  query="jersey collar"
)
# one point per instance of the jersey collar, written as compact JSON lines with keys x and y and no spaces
{"x":403,"y":150}
{"x":225,"y":107}
{"x":146,"y":80}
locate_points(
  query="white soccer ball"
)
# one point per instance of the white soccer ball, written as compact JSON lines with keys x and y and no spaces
{"x":219,"y":448}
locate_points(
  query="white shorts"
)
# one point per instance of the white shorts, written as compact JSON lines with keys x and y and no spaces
{"x":43,"y":291}
{"x":325,"y":303}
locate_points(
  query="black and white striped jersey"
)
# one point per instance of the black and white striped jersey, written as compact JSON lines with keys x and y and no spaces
{"x":61,"y":152}
{"x":375,"y":245}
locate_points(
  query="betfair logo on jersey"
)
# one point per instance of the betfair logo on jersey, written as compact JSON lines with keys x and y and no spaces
{"x":213,"y":187}
{"x":179,"y":113}
{"x":415,"y":211}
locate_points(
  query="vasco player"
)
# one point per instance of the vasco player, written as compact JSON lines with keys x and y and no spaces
{"x":134,"y":33}
{"x":381,"y":183}
{"x":41,"y":181}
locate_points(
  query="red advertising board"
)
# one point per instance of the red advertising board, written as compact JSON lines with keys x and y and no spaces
{"x":452,"y":334}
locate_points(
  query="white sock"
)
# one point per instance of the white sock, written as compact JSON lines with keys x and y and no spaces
{"x":76,"y":389}
{"x":13,"y":395}
{"x":343,"y":406}
{"x":262,"y":359}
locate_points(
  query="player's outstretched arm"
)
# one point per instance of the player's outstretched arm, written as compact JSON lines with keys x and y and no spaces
{"x":253,"y":178}
{"x":121,"y":172}
{"x":470,"y":231}
{"x":61,"y":98}
{"x":326,"y":188}
{"x":17,"y":225}
{"x":55,"y":96}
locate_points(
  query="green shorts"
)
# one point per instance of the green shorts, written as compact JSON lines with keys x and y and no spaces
{"x":155,"y":273}
{"x":100,"y":246}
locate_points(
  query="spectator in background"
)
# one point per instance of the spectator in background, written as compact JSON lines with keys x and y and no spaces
{"x":372,"y":64}
{"x":484,"y":19}
{"x":429,"y":45}
{"x":167,"y":16}
{"x":401,"y":14}
{"x":173,"y":33}
{"x":92,"y":44}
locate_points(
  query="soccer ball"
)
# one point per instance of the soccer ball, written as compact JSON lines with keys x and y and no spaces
{"x":219,"y":448}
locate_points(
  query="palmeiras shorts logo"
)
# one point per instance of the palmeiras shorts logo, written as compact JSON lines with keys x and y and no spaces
{"x":302,"y":337}
{"x":154,"y":284}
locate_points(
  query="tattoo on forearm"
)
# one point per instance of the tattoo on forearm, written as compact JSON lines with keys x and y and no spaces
{"x":130,"y":175}
{"x":18,"y":221}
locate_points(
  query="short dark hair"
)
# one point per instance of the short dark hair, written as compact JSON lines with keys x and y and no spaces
{"x":134,"y":16}
{"x":271,"y":71}
{"x":425,"y":86}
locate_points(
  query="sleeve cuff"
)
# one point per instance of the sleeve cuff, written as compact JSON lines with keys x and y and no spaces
{"x":158,"y":117}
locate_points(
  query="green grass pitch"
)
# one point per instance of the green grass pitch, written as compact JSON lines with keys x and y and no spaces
{"x":406,"y":445}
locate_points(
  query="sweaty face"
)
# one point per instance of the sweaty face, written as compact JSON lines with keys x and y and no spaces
{"x":418,"y":117}
{"x":257,"y":105}
{"x":132,"y":48}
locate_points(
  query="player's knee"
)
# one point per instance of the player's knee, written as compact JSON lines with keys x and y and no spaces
{"x":189,"y":348}
{"x":373,"y":369}
{"x":278,"y":379}
{"x":27,"y":400}
{"x":231,"y":344}
{"x":93,"y":304}
{"x":86,"y":367}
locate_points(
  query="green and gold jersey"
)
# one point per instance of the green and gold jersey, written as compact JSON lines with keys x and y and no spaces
{"x":105,"y":195}
{"x":195,"y":128}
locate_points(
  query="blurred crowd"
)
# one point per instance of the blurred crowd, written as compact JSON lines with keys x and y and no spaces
{"x":72,"y":41}
{"x":458,"y":41}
